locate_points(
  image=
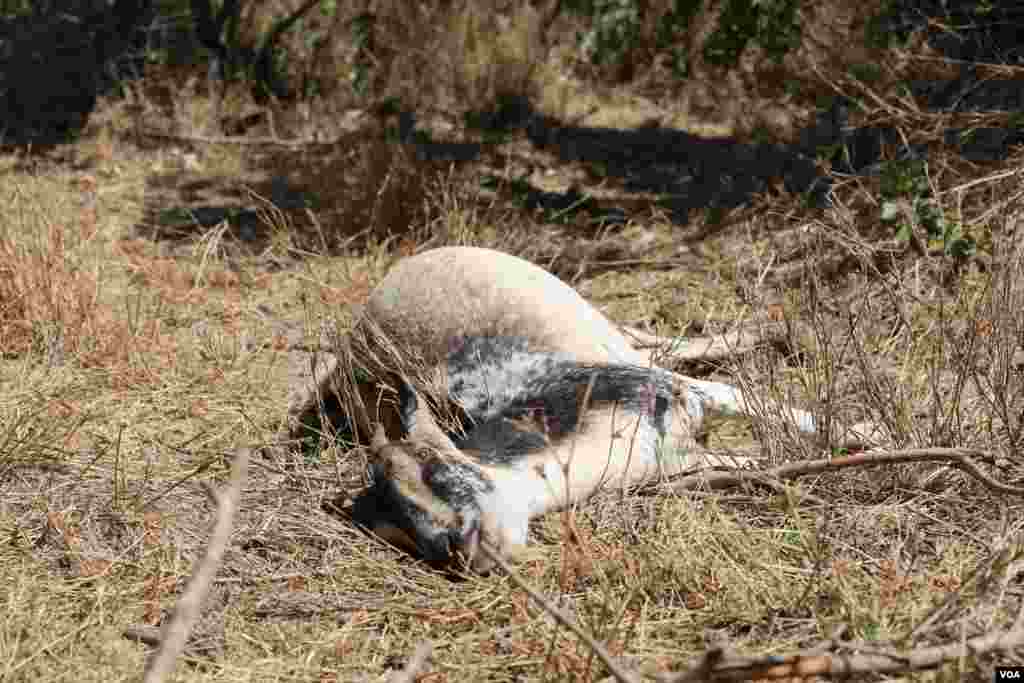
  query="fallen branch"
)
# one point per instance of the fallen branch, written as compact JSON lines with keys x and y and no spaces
{"x":803,"y":665}
{"x":622,"y":675}
{"x":235,"y":140}
{"x":176,"y":631}
{"x":957,"y":457}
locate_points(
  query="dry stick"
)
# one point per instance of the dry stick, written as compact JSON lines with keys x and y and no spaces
{"x":140,"y":633}
{"x":186,"y":612}
{"x":622,"y":675}
{"x":810,"y":663}
{"x":416,"y":662}
{"x":236,"y":140}
{"x":960,"y":457}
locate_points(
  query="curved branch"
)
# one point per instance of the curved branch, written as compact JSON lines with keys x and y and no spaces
{"x":801,"y":665}
{"x":958,"y":457}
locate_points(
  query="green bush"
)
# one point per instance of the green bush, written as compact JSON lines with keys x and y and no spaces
{"x":617,"y":29}
{"x":771,"y":24}
{"x":905,"y":182}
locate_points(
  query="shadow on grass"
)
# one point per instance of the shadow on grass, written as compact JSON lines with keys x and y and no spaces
{"x":377,"y":183}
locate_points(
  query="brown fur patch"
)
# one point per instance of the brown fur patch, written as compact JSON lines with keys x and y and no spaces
{"x":395,"y":536}
{"x":405,"y":470}
{"x":382,"y":406}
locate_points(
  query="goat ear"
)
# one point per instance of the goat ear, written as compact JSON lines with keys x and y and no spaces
{"x":419,"y":423}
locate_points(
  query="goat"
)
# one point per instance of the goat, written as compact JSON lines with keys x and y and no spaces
{"x":499,"y":394}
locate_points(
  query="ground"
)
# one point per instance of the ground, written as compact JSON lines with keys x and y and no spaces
{"x":162,"y":290}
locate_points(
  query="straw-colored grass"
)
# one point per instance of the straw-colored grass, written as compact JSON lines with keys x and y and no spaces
{"x":133,"y":363}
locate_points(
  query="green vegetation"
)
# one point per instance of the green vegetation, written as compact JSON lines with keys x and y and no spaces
{"x":905,"y":184}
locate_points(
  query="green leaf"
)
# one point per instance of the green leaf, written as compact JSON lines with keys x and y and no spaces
{"x":965,"y":247}
{"x":890,"y":211}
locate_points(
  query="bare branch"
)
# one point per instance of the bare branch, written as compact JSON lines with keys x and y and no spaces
{"x":186,"y":612}
{"x":622,"y":675}
{"x":959,"y":457}
{"x":802,"y":665}
{"x":236,"y":139}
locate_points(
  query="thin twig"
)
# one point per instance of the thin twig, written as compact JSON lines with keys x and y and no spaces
{"x":235,"y":140}
{"x":650,"y":263}
{"x":186,"y":612}
{"x":622,"y":675}
{"x":991,"y":178}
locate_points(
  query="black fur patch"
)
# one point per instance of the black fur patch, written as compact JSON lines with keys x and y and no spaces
{"x":457,"y":484}
{"x":383,"y":505}
{"x":517,"y":401}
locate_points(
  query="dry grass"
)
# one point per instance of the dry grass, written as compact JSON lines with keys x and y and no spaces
{"x":131,"y":366}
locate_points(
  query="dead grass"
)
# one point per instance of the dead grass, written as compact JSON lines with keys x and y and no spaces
{"x":105,"y":541}
{"x":48,"y":291}
{"x":131,"y":366}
